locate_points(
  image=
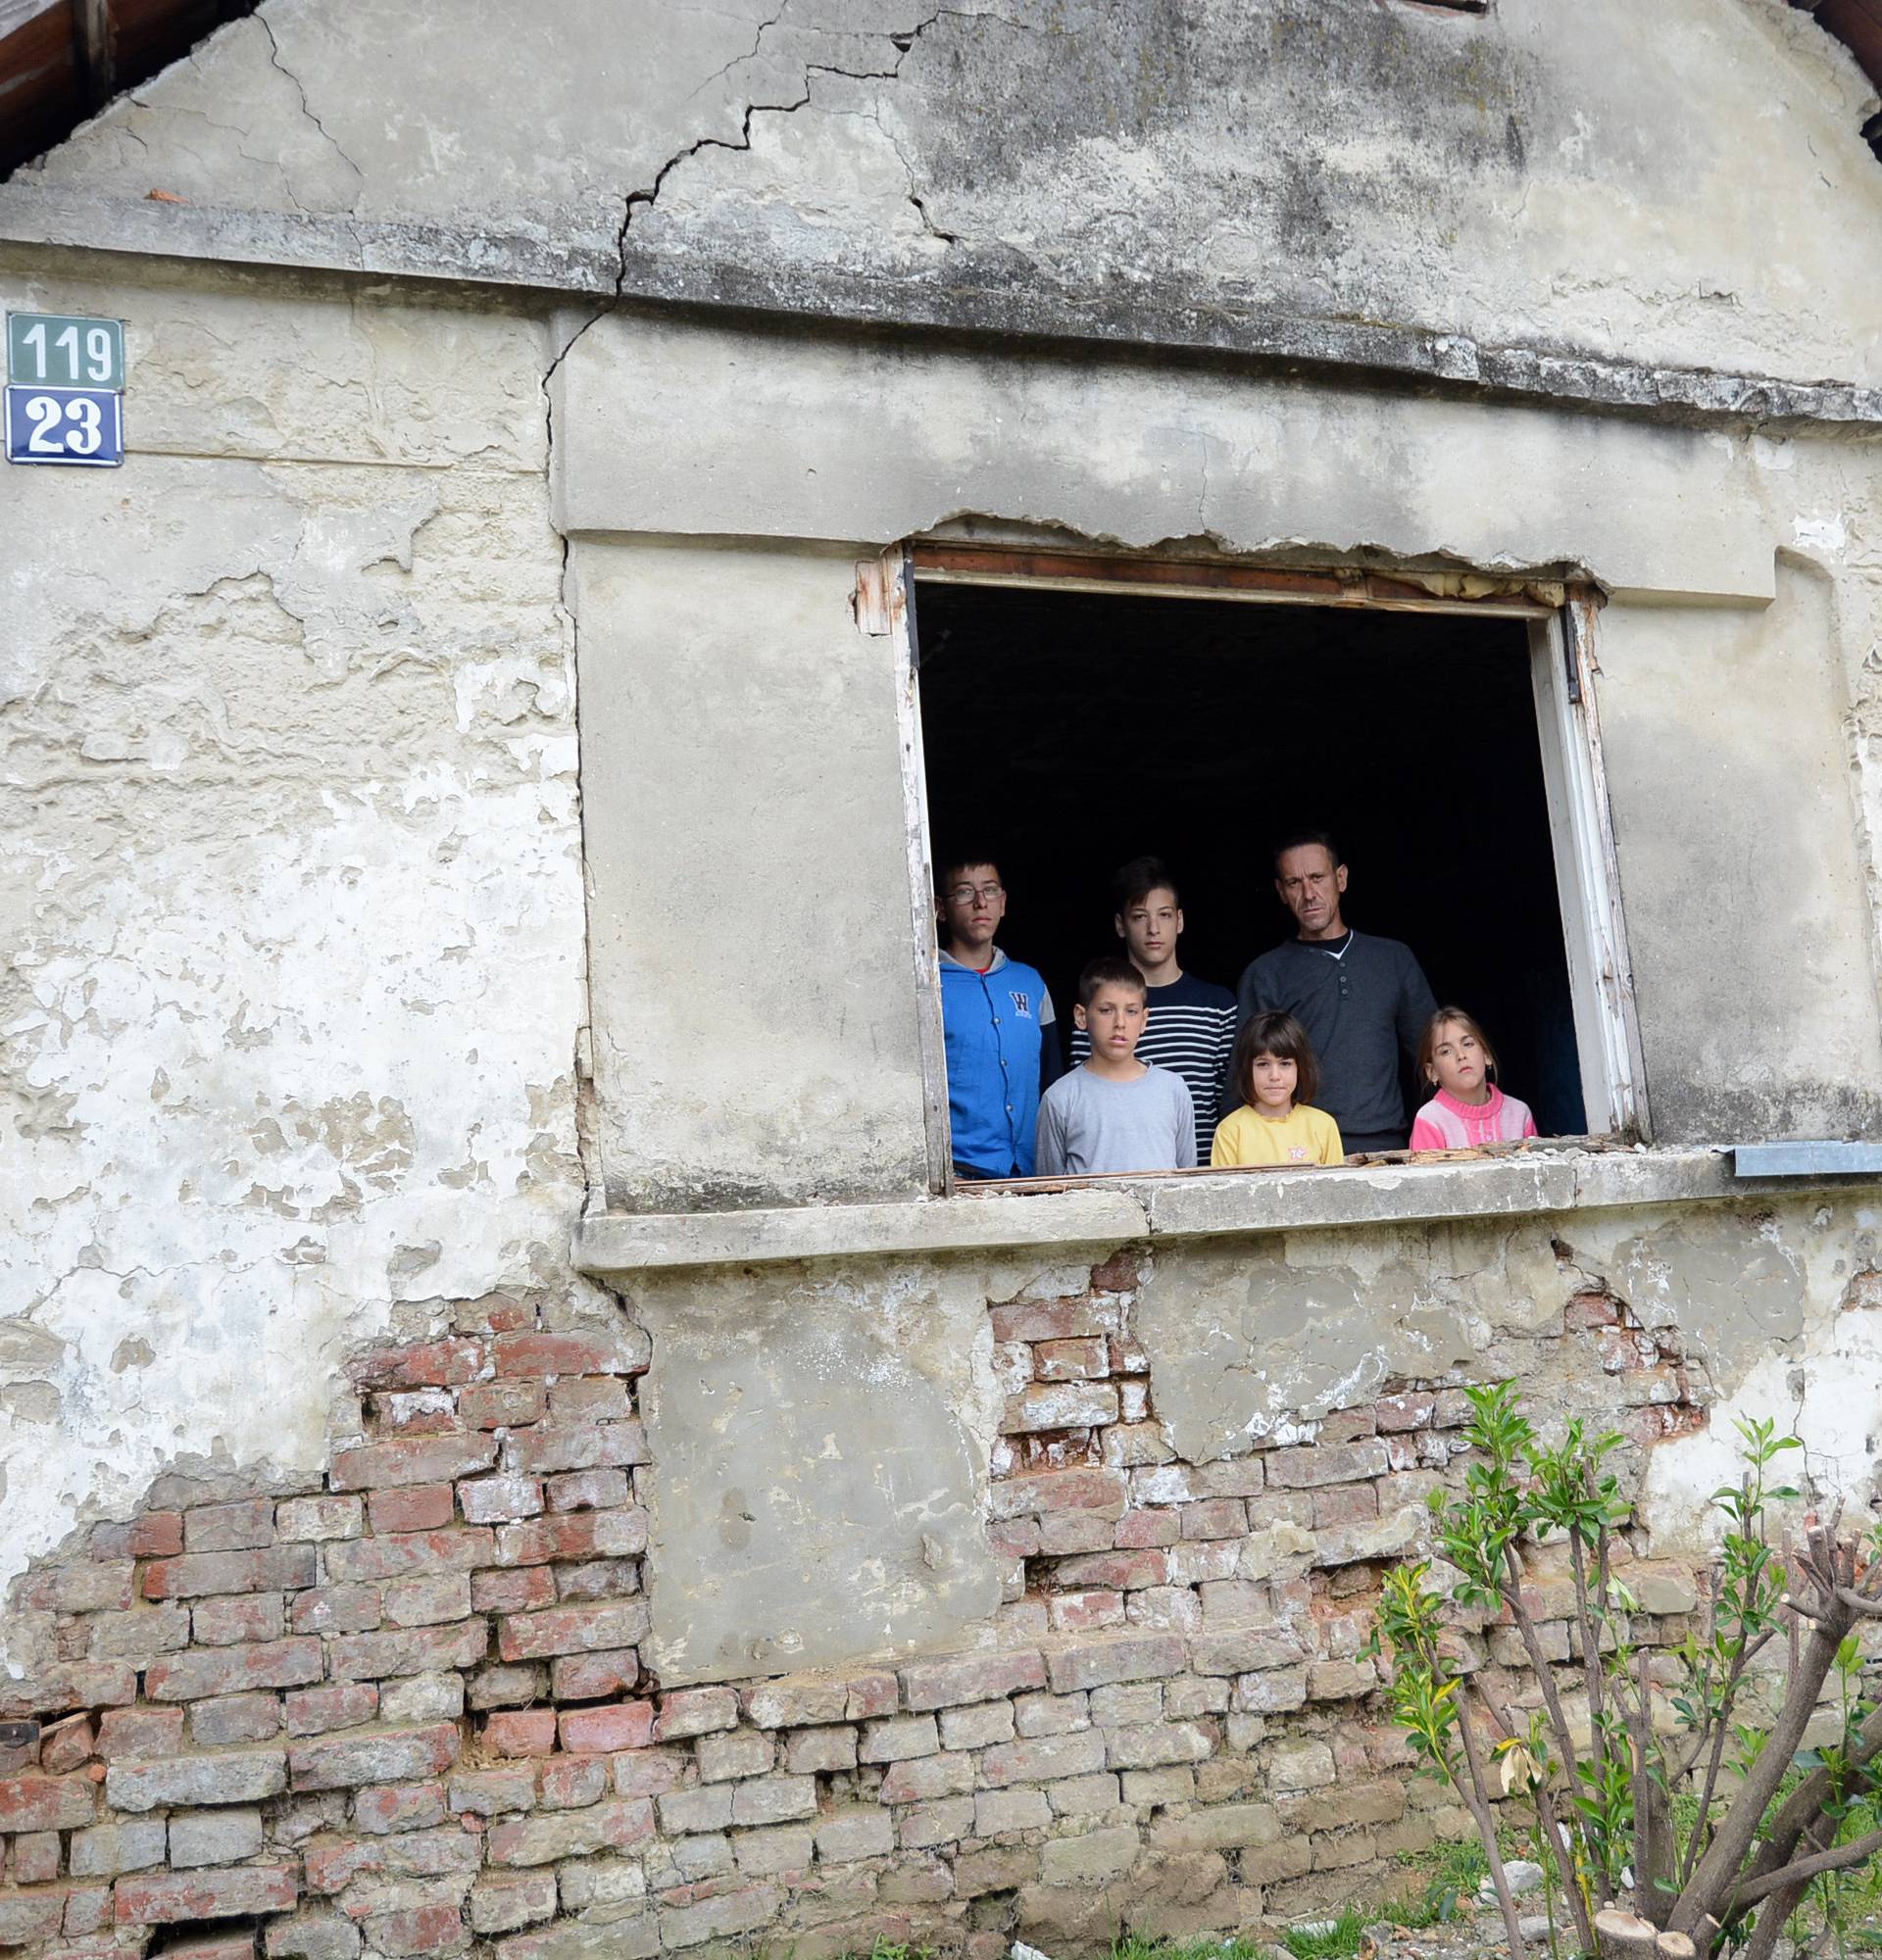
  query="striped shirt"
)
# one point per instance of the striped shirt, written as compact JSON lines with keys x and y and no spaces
{"x":1190,"y":1030}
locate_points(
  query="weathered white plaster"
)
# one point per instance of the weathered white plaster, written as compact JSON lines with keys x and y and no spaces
{"x":292,"y":867}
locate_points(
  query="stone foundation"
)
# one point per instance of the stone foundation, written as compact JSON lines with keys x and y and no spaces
{"x":406,"y":1711}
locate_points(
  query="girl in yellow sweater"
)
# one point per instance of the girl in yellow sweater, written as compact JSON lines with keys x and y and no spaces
{"x":1277,"y":1076}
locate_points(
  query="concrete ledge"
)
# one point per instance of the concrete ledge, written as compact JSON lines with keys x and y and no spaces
{"x":970,"y":298}
{"x":1197,"y":1204}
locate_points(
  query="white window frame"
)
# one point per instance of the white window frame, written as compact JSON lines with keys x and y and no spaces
{"x":1564,"y":674}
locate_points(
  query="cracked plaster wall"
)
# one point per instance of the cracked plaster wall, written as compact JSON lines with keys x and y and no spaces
{"x":1202,"y":169}
{"x":291,"y":874}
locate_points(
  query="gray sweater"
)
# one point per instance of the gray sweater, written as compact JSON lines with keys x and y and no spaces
{"x":1360,"y":1013}
{"x":1088,"y":1125}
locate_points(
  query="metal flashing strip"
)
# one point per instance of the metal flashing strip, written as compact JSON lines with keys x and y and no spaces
{"x":1806,"y":1159}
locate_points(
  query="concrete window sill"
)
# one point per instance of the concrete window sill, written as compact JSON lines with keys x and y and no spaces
{"x":1118,"y":1211}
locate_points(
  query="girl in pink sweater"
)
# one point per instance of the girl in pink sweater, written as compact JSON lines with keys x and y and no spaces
{"x":1456,"y":1058}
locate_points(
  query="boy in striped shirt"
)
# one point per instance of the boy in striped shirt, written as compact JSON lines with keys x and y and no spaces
{"x":1191,"y":1026}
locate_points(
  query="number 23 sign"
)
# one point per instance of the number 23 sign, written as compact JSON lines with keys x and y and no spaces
{"x":64,"y":390}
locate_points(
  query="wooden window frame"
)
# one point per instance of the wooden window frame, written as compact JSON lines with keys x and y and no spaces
{"x":1561,"y":621}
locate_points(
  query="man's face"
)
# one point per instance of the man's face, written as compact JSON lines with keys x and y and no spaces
{"x":971,"y":904}
{"x":1150,"y":927}
{"x":1309,"y":885}
{"x":1113,"y":1020}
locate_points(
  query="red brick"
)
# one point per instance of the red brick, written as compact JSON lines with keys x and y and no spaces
{"x":1119,"y":1273}
{"x":569,"y":1783}
{"x":951,"y":1684}
{"x":27,"y":1918}
{"x":696,"y":1711}
{"x":589,"y":1677}
{"x":151,"y":1898}
{"x":500,"y":1404}
{"x":198,"y":1573}
{"x":156,"y":1535}
{"x":1018,"y":1538}
{"x":417,"y":1552}
{"x":422,"y":1459}
{"x":418,"y":1929}
{"x":650,"y":1772}
{"x":1122,"y":1571}
{"x":407,"y":1651}
{"x":1215,"y":1517}
{"x":419,"y":1507}
{"x":590,"y":1491}
{"x":626,"y":1725}
{"x":1103,"y":1662}
{"x":1589,"y":1311}
{"x":542,"y":1840}
{"x":871,"y":1694}
{"x":426,"y":1364}
{"x":97,"y":1587}
{"x":88,"y":1911}
{"x":578,"y":1446}
{"x":492,"y":1500}
{"x":1333,"y":1463}
{"x":1047,"y":1320}
{"x":230,"y":1527}
{"x":591,"y":1397}
{"x":1082,"y":1360}
{"x":374,"y":1756}
{"x":1395,"y":1414}
{"x":1105,"y":1492}
{"x":1084,"y":1613}
{"x":313,"y":1711}
{"x":1344,"y":1504}
{"x":428,"y":1599}
{"x":516,"y":1592}
{"x":188,"y":1677}
{"x":36,"y":1858}
{"x":237,"y":1616}
{"x":412,"y":1412}
{"x":333,"y":1864}
{"x":520,"y":1731}
{"x":612,"y":1623}
{"x":234,"y":1718}
{"x":337,"y":1609}
{"x":1136,"y":1531}
{"x":67,"y":1746}
{"x":574,"y":1534}
{"x":625,"y":1351}
{"x":492,"y":1313}
{"x":141,"y":1732}
{"x":389,"y":1807}
{"x":68,"y":1685}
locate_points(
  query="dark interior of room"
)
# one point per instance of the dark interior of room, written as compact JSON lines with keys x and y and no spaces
{"x":1066,"y":732}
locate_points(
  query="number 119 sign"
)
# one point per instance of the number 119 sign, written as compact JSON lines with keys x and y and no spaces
{"x":64,"y":390}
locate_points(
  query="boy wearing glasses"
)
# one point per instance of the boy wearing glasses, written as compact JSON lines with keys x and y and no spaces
{"x":1002,"y":1036}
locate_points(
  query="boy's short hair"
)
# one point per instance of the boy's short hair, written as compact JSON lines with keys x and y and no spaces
{"x":1428,"y":1041}
{"x":1108,"y":972}
{"x":946,"y":869}
{"x":1283,"y":1037}
{"x":1136,"y":880}
{"x":1296,"y":840}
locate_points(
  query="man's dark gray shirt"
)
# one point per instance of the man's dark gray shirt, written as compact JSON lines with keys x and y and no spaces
{"x":1360,"y":1012}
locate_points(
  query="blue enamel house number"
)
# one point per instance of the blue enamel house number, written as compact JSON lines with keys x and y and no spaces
{"x":64,"y":398}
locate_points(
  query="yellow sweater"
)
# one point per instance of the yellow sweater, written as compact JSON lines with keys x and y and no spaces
{"x":1303,"y":1135}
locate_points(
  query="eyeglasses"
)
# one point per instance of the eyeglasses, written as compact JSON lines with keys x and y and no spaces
{"x":965,"y":895}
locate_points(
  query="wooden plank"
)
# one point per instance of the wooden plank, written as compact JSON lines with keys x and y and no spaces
{"x":91,"y":33}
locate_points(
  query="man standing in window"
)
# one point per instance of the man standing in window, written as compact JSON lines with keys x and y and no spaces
{"x":1002,"y":1041}
{"x":1363,"y":1001}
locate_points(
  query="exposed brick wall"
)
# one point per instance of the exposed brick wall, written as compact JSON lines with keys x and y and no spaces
{"x":406,"y":1712}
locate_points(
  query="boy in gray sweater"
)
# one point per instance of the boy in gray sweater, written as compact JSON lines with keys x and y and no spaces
{"x":1114,"y":1113}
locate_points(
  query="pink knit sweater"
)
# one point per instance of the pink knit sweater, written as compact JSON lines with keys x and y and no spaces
{"x":1446,"y":1124}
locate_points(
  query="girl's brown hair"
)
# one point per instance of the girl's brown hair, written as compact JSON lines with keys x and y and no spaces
{"x":1282,"y":1036}
{"x":1428,"y":1041}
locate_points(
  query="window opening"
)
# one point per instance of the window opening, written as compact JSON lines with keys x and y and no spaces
{"x":1073,"y":724}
